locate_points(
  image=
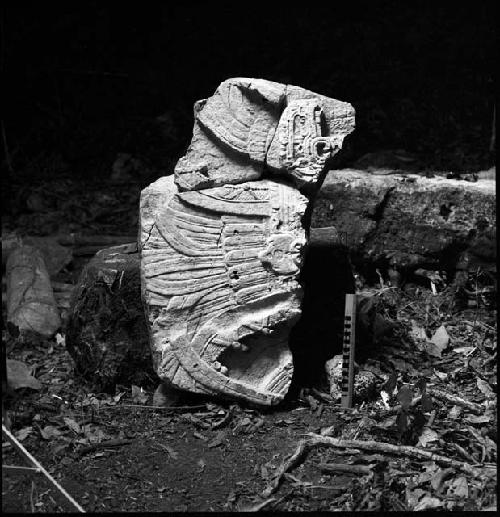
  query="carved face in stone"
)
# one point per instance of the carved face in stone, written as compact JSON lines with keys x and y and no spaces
{"x":300,"y":145}
{"x":283,"y":253}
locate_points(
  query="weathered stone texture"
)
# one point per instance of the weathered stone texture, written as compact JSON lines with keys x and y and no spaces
{"x":219,"y":273}
{"x":252,"y":124}
{"x":222,"y":241}
{"x":406,"y":219}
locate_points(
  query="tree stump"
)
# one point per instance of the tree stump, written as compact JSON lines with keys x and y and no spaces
{"x":106,"y":331}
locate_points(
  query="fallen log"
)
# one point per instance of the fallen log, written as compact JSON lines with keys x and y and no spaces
{"x":30,"y":300}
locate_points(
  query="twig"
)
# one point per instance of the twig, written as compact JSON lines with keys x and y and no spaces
{"x":224,"y":421}
{"x":481,"y":323}
{"x":259,"y":506}
{"x":363,"y":501}
{"x":458,"y":401}
{"x":431,"y":418}
{"x":405,"y":450}
{"x":103,"y":445}
{"x":140,"y":406}
{"x":294,"y":460}
{"x":345,"y":468}
{"x":463,"y":452}
{"x":16,"y":468}
{"x":31,"y":459}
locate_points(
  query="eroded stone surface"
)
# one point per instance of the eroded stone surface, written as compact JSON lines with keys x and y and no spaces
{"x":249,"y":125}
{"x":222,"y":240}
{"x":408,"y":220}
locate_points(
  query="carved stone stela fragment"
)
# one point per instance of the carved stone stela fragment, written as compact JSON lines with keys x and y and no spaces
{"x":222,"y":240}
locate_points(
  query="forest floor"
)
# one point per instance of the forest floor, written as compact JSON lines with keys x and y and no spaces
{"x":425,"y":438}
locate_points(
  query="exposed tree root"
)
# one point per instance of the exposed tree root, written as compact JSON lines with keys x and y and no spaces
{"x":458,"y":401}
{"x":401,"y":450}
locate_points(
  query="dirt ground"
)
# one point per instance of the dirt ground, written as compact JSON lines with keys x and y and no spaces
{"x":112,"y":452}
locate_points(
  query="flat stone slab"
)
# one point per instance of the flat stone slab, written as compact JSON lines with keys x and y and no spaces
{"x":408,"y":219}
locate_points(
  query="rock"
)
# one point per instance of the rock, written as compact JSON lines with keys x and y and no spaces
{"x":246,"y":125}
{"x":106,"y":332}
{"x":409,"y":221}
{"x":364,"y":380}
{"x":55,"y":256}
{"x":30,"y":300}
{"x":222,"y":246}
{"x":166,"y":396}
{"x":19,"y":376}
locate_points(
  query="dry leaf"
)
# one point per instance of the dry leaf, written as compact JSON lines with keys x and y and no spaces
{"x":439,"y":477}
{"x":49,"y":432}
{"x":258,"y":506}
{"x":413,"y":496}
{"x":417,"y":332}
{"x":171,"y":452}
{"x":23,"y":433}
{"x":390,"y":384}
{"x":388,"y":422}
{"x":485,"y":388}
{"x":440,"y":339}
{"x":426,"y":503}
{"x":385,"y":399}
{"x":424,"y":477}
{"x":427,"y":436}
{"x":116,"y":398}
{"x":72,"y":425}
{"x":139,"y":396}
{"x":218,"y":440}
{"x":19,"y":376}
{"x":481,"y":419}
{"x":440,"y":375}
{"x":312,"y":402}
{"x":327,"y":431}
{"x":93,"y":436}
{"x":405,"y":396}
{"x":455,"y":412}
{"x":465,"y":350}
{"x":459,"y":487}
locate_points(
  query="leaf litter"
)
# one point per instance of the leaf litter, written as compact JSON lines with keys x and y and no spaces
{"x":437,"y":398}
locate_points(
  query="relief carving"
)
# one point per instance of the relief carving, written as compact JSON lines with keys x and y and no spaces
{"x":222,"y":247}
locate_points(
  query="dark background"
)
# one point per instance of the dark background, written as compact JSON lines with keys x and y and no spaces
{"x":85,"y":81}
